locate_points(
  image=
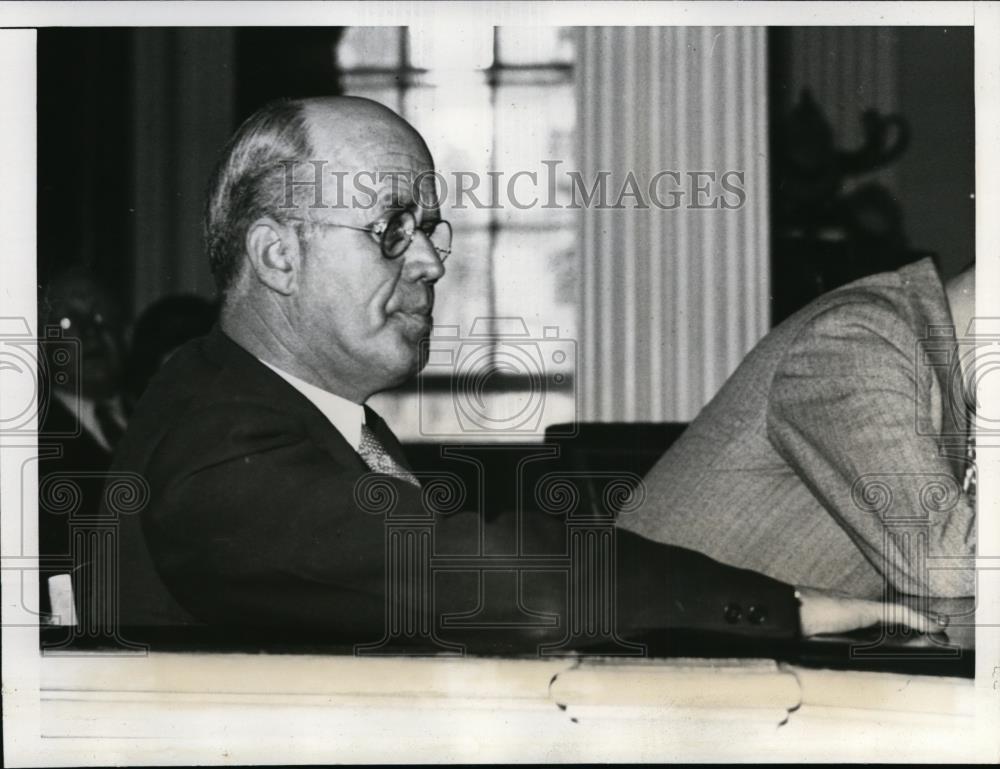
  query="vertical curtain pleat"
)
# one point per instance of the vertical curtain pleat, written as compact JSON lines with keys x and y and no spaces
{"x":671,"y":299}
{"x":183,"y":92}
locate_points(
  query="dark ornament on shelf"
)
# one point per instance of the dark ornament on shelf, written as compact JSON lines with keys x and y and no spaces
{"x":826,"y":236}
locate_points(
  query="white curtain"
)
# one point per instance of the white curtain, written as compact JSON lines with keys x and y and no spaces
{"x":672,"y":299}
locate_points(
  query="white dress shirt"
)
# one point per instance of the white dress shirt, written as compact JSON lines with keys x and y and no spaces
{"x":346,"y":416}
{"x":85,"y":409}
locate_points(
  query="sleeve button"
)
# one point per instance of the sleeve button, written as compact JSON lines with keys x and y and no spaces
{"x":732,"y":613}
{"x":757,"y":615}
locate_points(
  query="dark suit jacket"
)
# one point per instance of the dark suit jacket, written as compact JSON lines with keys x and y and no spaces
{"x":68,"y":454}
{"x":253,"y":521}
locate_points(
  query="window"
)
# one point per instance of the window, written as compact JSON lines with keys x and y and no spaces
{"x":495,"y":106}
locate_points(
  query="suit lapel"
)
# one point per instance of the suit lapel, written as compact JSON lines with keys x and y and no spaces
{"x":927,"y":293}
{"x":251,"y":376}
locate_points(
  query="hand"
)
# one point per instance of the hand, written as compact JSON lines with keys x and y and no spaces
{"x":826,"y":612}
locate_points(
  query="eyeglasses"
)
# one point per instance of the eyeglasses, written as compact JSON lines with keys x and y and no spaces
{"x":395,"y":234}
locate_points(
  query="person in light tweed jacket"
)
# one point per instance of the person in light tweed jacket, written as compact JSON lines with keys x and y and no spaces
{"x":836,"y":455}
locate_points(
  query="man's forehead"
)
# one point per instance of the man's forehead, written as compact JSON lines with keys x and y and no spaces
{"x":399,"y":178}
{"x":392,"y":166}
{"x":383,"y":160}
{"x":372,"y":148}
{"x":369,"y":141}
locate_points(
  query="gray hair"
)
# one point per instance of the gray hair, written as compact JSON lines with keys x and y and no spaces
{"x":248,"y":182}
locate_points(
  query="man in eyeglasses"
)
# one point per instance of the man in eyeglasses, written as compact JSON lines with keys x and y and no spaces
{"x":254,"y":439}
{"x":82,"y":419}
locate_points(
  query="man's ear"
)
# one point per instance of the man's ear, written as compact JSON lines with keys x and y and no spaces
{"x":274,"y":253}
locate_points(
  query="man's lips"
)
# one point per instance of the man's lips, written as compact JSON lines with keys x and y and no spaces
{"x":424,"y":310}
{"x":414,"y":310}
{"x":421,"y":317}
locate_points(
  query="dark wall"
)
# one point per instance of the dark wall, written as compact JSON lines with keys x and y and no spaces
{"x":937,"y":175}
{"x":85,"y":151}
{"x":289,"y":61}
{"x":130,"y":123}
{"x":881,"y":197}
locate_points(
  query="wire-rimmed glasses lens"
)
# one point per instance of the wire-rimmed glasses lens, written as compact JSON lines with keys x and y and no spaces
{"x":395,"y":235}
{"x":400,"y":230}
{"x":398,"y":234}
{"x":439,"y":233}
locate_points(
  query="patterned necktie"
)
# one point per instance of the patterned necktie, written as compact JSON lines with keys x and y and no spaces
{"x":969,"y":481}
{"x":378,"y":458}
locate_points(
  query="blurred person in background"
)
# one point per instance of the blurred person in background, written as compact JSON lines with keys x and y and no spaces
{"x":161,"y":328}
{"x":83,"y":415}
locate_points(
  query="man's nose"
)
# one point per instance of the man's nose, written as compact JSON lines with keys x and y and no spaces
{"x":422,"y":260}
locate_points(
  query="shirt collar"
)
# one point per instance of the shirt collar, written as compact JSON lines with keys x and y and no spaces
{"x":346,"y":416}
{"x":85,"y":410}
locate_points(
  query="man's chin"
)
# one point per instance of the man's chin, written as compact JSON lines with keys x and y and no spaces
{"x":411,"y":348}
{"x":420,"y":346}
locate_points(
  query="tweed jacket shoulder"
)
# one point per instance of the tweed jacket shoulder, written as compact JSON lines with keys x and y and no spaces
{"x":833,"y":455}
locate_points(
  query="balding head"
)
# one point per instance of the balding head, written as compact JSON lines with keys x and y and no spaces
{"x":351,"y":132}
{"x":343,"y":134}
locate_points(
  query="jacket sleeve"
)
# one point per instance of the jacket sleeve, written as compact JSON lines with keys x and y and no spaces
{"x":661,"y":587}
{"x":263,"y":529}
{"x":842,"y":411}
{"x":666,"y":587}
